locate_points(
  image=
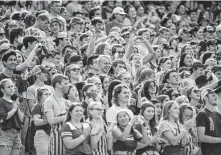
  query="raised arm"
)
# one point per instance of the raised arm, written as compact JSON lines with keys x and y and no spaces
{"x":29,"y":59}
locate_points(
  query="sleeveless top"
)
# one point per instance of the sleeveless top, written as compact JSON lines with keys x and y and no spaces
{"x":128,"y":145}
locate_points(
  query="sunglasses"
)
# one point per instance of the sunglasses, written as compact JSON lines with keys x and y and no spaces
{"x":196,"y":91}
{"x":75,"y":69}
{"x":11,"y":26}
{"x":176,"y":95}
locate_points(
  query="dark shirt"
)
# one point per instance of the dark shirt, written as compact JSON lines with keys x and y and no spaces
{"x":37,"y":110}
{"x":11,"y":123}
{"x":212,"y":123}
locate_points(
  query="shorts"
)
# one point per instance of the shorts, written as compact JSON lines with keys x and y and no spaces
{"x":11,"y":138}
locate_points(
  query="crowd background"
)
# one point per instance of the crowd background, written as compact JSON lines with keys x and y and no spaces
{"x":110,"y":77}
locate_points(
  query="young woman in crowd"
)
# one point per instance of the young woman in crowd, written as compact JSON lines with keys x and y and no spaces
{"x":11,"y":120}
{"x":172,"y":131}
{"x":77,"y":136}
{"x":41,"y":139}
{"x":126,"y":139}
{"x":148,"y":115}
{"x":150,"y":90}
{"x":72,"y":94}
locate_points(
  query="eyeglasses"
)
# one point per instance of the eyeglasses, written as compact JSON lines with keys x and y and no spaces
{"x":11,"y":26}
{"x":2,"y":34}
{"x":196,"y":91}
{"x":176,"y":95}
{"x":98,"y":109}
{"x":75,"y":69}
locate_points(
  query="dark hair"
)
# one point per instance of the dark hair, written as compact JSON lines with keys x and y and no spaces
{"x":161,"y":61}
{"x":167,"y":75}
{"x":85,"y":88}
{"x":69,"y":89}
{"x":114,"y":48}
{"x":29,"y":39}
{"x":110,"y":90}
{"x":182,"y":57}
{"x":114,"y":64}
{"x":29,"y":20}
{"x":91,"y":58}
{"x":15,"y":33}
{"x":145,"y":92}
{"x":70,"y":109}
{"x":153,"y":120}
{"x":117,"y":90}
{"x":206,"y":55}
{"x":7,"y":54}
{"x":169,"y":92}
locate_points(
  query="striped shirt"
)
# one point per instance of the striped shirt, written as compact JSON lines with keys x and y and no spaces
{"x":102,"y":144}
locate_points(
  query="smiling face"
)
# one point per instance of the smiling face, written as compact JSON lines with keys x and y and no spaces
{"x":77,"y":113}
{"x":11,"y":62}
{"x":188,"y":60}
{"x":174,"y":111}
{"x":148,"y":113}
{"x":123,"y":119}
{"x":96,"y":111}
{"x":55,"y":27}
{"x":19,"y":58}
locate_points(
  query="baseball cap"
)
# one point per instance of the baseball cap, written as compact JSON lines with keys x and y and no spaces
{"x":198,"y":64}
{"x":218,"y":28}
{"x":182,"y":31}
{"x":166,"y":46}
{"x":209,"y":91}
{"x":119,"y":10}
{"x":211,"y":42}
{"x":216,"y":68}
{"x":38,"y":69}
{"x":208,"y":29}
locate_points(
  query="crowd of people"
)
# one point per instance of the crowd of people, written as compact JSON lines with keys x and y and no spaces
{"x":110,"y":77}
